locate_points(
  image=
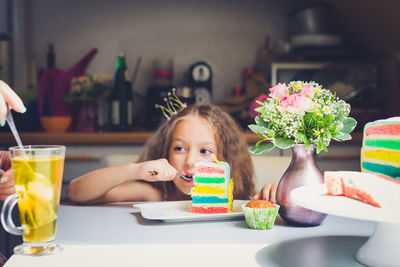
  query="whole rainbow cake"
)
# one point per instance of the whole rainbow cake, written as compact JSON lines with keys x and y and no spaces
{"x":213,"y":188}
{"x":381,"y":148}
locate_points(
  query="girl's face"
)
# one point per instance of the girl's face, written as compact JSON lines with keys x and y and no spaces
{"x":193,"y":141}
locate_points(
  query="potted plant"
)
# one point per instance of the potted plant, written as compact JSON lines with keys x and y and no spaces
{"x":86,"y":92}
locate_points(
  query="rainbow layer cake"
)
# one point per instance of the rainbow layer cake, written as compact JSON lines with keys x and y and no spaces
{"x":381,"y":148}
{"x":366,"y":187}
{"x":213,"y":188}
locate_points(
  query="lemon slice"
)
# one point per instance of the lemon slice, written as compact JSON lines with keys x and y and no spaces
{"x":37,"y":211}
{"x":41,"y":189}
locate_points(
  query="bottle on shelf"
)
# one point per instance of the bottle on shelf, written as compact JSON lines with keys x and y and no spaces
{"x":51,"y":57}
{"x":119,"y":106}
{"x":50,"y":66}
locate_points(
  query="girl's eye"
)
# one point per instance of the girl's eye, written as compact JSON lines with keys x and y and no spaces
{"x":179,"y":148}
{"x":205,"y":151}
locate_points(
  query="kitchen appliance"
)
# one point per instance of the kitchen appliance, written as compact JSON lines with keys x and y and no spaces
{"x":200,"y":80}
{"x":348,"y":79}
{"x":285,"y":72}
{"x":313,"y":26}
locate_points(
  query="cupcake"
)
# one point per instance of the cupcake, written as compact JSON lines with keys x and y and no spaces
{"x":260,"y":214}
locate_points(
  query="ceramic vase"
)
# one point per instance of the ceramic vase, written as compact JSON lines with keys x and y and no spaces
{"x":87,"y":117}
{"x":302,"y":171}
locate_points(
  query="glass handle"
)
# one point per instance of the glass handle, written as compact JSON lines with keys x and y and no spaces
{"x":6,"y":215}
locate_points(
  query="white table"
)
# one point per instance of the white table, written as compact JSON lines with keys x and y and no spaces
{"x":117,"y":235}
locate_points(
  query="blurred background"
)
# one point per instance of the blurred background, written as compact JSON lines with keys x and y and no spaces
{"x":238,"y":45}
{"x":63,"y":57}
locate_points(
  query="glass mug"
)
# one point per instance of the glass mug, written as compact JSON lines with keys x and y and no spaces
{"x":38,"y":173}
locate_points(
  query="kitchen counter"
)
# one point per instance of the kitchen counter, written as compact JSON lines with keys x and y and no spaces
{"x":108,"y":138}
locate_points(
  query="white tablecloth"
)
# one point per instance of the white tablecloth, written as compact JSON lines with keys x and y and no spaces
{"x":117,"y":235}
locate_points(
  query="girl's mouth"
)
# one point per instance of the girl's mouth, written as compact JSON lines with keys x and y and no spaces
{"x":187,"y":177}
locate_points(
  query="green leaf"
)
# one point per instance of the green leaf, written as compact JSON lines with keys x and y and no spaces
{"x":320,"y":146}
{"x":348,"y":125}
{"x":259,"y":109}
{"x":284,"y":143}
{"x":261,"y":149}
{"x":328,"y":121}
{"x":301,"y":137}
{"x":342,"y":136}
{"x":261,"y":122}
{"x":259,"y":142}
{"x":307,"y":143}
{"x":328,"y":134}
{"x":271,"y":133}
{"x":257,"y":129}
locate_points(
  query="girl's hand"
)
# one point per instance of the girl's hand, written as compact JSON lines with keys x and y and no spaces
{"x":156,"y":170}
{"x":10,"y":98}
{"x":268,"y":192}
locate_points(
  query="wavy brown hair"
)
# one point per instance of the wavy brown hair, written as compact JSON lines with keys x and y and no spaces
{"x":230,"y":141}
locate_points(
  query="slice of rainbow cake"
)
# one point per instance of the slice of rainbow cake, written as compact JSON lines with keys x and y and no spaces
{"x":381,"y":148}
{"x":213,"y":188}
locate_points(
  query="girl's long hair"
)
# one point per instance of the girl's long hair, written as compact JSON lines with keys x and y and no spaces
{"x":230,"y":141}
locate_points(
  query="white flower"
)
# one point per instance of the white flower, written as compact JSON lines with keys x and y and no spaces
{"x":326,"y":110}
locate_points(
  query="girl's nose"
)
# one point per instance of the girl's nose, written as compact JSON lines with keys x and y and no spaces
{"x":191,"y":159}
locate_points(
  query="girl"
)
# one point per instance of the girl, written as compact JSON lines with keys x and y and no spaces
{"x":190,"y":136}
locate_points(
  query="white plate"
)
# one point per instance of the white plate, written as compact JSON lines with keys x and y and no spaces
{"x":315,"y":198}
{"x":178,"y":211}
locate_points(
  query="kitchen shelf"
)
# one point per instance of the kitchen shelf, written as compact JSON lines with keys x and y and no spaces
{"x":109,"y":138}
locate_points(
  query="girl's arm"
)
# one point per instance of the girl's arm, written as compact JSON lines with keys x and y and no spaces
{"x":118,"y":183}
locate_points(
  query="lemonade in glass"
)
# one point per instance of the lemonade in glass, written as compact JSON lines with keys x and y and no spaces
{"x":38,"y":173}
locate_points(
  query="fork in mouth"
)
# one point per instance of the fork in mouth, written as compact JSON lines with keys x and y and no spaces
{"x":186,"y":177}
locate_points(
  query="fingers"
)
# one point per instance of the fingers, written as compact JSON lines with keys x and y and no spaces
{"x":268,"y":192}
{"x":6,"y":179}
{"x":257,"y":196}
{"x":272,"y":192}
{"x":6,"y":184}
{"x":10,"y":98}
{"x":5,"y":161}
{"x":166,"y":172}
{"x":3,"y":110}
{"x":6,"y":191}
{"x":158,"y":170}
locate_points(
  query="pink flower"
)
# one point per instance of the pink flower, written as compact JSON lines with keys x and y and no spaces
{"x":255,"y":105}
{"x":280,"y":90}
{"x":307,"y":91}
{"x":295,"y":103}
{"x":80,"y":79}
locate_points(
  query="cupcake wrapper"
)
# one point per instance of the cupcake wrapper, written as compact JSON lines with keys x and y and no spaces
{"x":260,"y":218}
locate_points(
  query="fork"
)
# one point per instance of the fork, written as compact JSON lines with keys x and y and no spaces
{"x":184,"y":177}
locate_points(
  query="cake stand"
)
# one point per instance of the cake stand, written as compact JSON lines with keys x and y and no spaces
{"x":382,"y":247}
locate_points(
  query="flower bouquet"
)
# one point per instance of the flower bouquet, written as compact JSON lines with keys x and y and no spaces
{"x":301,"y":113}
{"x":88,"y":88}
